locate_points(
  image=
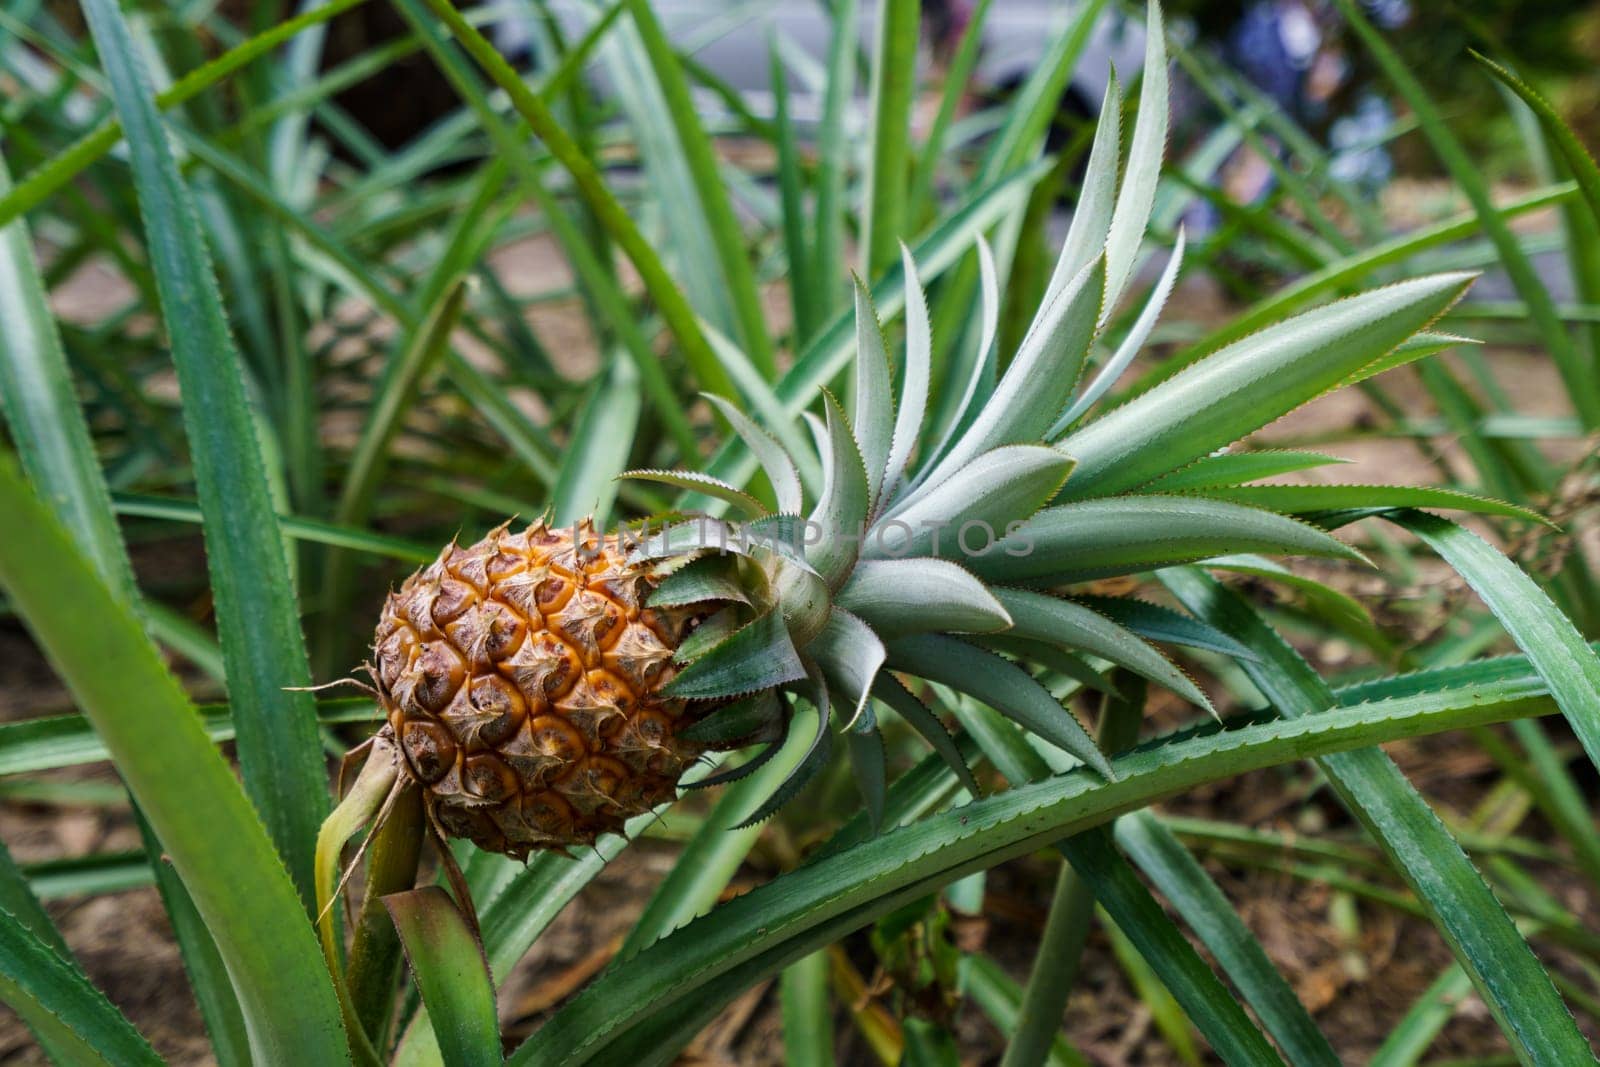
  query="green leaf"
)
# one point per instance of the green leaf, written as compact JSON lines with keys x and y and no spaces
{"x":914,"y":385}
{"x":1091,"y":216}
{"x":840,"y":516}
{"x":896,"y":596}
{"x":1515,"y":987}
{"x":850,"y":656}
{"x":678,"y":983}
{"x":1070,"y":626}
{"x":917,"y":716}
{"x":872,"y":411}
{"x":1568,"y":665}
{"x":700,"y":483}
{"x":699,"y":581}
{"x":744,"y":720}
{"x":1235,"y":468}
{"x":1099,"y":538}
{"x":298,"y":527}
{"x":148,"y":725}
{"x":1313,"y":498}
{"x":1184,"y":883}
{"x":759,"y":655}
{"x":807,"y":1013}
{"x":815,"y":758}
{"x":1250,"y":383}
{"x":1577,"y":158}
{"x":969,"y":515}
{"x":1159,"y":623}
{"x":451,"y":973}
{"x":257,"y":618}
{"x":54,"y":998}
{"x":598,"y":450}
{"x":1003,"y":686}
{"x":894,"y":86}
{"x":1145,"y":149}
{"x":774,"y":459}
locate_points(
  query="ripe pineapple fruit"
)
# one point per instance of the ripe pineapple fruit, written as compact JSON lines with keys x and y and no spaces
{"x":543,"y":686}
{"x":522,"y":679}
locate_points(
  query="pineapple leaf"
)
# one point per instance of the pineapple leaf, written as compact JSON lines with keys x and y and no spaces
{"x":766,"y":405}
{"x":873,"y":409}
{"x":841,"y":514}
{"x":773,"y":457}
{"x":1338,"y":607}
{"x":892,"y":692}
{"x":1131,"y":345}
{"x":1020,"y":410}
{"x":1157,"y":623}
{"x":896,"y":596}
{"x":815,"y":759}
{"x":749,"y":719}
{"x":982,"y":370}
{"x":1318,"y":498}
{"x":869,"y":767}
{"x":701,"y":580}
{"x":1146,"y":147}
{"x":695,"y":482}
{"x":914,"y":386}
{"x":1003,"y":686}
{"x":1236,"y":468}
{"x":986,"y":494}
{"x":712,"y":631}
{"x":1091,"y":216}
{"x":740,"y":771}
{"x":1251,"y":382}
{"x":850,"y":656}
{"x":759,"y":655}
{"x":1052,"y":658}
{"x":1070,"y":626}
{"x":1123,"y":535}
{"x":452,"y":975}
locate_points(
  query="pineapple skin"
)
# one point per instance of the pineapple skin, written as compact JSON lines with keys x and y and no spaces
{"x":521,"y":678}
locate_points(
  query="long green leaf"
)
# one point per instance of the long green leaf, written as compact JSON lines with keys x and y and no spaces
{"x":452,"y":974}
{"x":894,"y":85}
{"x":257,"y":618}
{"x":167,"y":760}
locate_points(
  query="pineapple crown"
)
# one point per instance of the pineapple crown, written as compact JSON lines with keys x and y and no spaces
{"x":920,"y":530}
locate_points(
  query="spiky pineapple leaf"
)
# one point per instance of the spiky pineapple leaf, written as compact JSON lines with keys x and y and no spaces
{"x":896,"y":596}
{"x":1091,"y":216}
{"x":1159,"y":623}
{"x":700,"y":581}
{"x":1040,"y":617}
{"x":1003,"y":686}
{"x":758,"y":655}
{"x":1145,"y":150}
{"x":840,"y":517}
{"x":1236,"y":468}
{"x":1130,"y":346}
{"x":1337,"y":607}
{"x":873,"y":409}
{"x":985,"y":495}
{"x":1319,"y":498}
{"x":1248,"y":384}
{"x":1020,"y":411}
{"x":811,"y":764}
{"x":979,"y":375}
{"x":750,"y":718}
{"x":695,"y":482}
{"x":1051,"y":657}
{"x":850,"y":656}
{"x":451,"y":973}
{"x":1577,"y":157}
{"x":773,"y":457}
{"x":868,"y":765}
{"x":1123,"y":535}
{"x":914,"y":384}
{"x":916,"y":715}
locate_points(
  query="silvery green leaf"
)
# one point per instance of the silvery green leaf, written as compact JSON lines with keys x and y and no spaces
{"x":756,"y":717}
{"x":982,"y":367}
{"x":1051,"y":658}
{"x":1124,"y":535}
{"x":1148,"y":145}
{"x":874,"y":401}
{"x":850,"y":656}
{"x":695,"y":482}
{"x":1156,"y":623}
{"x":759,"y":655}
{"x":1029,"y":396}
{"x":985,"y":496}
{"x":1091,"y":216}
{"x":765,"y":403}
{"x":1236,"y":468}
{"x":815,"y":759}
{"x":780,"y":534}
{"x":914,"y":389}
{"x":897,"y":596}
{"x":916,"y":715}
{"x":700,"y":581}
{"x":1070,"y":626}
{"x":774,"y":459}
{"x":1002,"y":685}
{"x":870,"y":768}
{"x":1249,"y":383}
{"x":1129,"y":348}
{"x":840,"y":516}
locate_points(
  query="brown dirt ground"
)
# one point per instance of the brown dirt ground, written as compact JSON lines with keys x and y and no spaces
{"x":1357,"y":982}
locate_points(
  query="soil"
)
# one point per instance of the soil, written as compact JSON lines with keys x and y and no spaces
{"x":1357,"y":965}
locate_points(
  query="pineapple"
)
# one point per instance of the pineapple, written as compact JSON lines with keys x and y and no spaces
{"x":543,"y":686}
